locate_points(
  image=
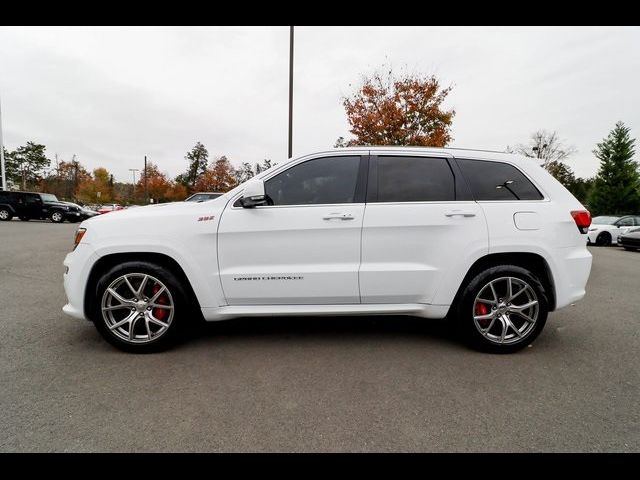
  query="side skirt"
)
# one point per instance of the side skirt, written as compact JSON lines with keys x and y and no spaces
{"x":415,"y":309}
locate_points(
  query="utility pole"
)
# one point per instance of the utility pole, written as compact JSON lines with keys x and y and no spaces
{"x":4,"y":178}
{"x":290,"y":91}
{"x":134,"y":170}
{"x":146,"y":193}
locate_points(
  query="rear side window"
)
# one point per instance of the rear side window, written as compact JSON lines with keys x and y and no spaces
{"x":497,"y":181}
{"x":415,"y":179}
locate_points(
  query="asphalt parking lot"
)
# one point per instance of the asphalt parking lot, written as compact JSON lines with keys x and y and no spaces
{"x":312,"y":384}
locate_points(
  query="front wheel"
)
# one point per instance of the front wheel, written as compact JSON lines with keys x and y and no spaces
{"x":138,"y":307}
{"x":503,"y":309}
{"x":57,"y":217}
{"x":603,"y":239}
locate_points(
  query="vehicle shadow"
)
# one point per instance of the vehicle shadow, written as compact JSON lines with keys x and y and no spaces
{"x":326,"y":327}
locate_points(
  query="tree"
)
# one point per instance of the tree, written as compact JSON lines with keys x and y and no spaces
{"x":266,"y":163}
{"x":616,"y":189}
{"x":65,"y":179}
{"x":101,"y":183}
{"x":218,"y":178}
{"x":244,"y":173}
{"x":546,"y":146}
{"x":26,"y":164}
{"x":398,"y":110}
{"x":198,"y":159}
{"x":158,"y":187}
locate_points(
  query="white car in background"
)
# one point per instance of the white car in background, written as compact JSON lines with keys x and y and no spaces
{"x":604,"y":230}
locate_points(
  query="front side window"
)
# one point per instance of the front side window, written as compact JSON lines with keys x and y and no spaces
{"x":319,"y":181}
{"x":48,"y":197}
{"x":415,"y":179}
{"x":497,"y":181}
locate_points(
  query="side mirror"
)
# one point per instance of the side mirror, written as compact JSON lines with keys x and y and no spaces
{"x":253,"y":194}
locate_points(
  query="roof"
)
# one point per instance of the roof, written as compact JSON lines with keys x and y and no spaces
{"x":447,"y":151}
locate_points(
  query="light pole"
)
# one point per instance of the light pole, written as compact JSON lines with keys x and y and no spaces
{"x":290,"y":91}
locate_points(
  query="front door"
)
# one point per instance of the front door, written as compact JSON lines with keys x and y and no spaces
{"x":304,"y":246}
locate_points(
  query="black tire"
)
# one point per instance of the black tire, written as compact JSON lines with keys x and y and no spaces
{"x":603,"y":239}
{"x":631,"y":249}
{"x":5,"y":214}
{"x":465,"y":310}
{"x":181,"y":313}
{"x":57,"y":217}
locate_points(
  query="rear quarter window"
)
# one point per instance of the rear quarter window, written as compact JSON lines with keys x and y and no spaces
{"x":497,"y":181}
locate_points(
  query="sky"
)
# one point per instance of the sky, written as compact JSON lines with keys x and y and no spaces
{"x":112,"y":95}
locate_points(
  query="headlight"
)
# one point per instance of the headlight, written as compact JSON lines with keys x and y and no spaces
{"x":79,"y":234}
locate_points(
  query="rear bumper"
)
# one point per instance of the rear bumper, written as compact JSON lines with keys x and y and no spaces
{"x":571,"y":272}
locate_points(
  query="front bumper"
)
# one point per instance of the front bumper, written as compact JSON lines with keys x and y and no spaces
{"x":78,"y":265}
{"x":591,"y":236}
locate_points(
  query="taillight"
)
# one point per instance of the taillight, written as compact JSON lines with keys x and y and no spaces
{"x":582,"y":219}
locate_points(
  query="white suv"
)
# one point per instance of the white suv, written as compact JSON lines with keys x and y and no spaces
{"x":489,"y":240}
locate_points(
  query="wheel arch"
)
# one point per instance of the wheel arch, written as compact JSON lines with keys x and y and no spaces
{"x":108,"y":261}
{"x":533,"y":262}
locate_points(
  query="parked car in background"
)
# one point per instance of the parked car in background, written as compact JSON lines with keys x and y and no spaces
{"x":110,"y":208}
{"x":203,"y":196}
{"x":37,"y":206}
{"x":604,"y":230}
{"x":491,"y":241}
{"x":85,"y":213}
{"x":630,"y":240}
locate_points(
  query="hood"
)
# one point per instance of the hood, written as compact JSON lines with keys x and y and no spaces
{"x":165,"y":210}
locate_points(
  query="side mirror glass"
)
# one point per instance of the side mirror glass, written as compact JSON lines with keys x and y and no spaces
{"x":253,"y":194}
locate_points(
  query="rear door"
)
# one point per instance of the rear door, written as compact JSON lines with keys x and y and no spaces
{"x":32,"y":205}
{"x":420,"y":226}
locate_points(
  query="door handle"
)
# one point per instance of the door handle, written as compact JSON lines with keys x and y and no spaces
{"x":459,"y":213}
{"x":338,"y":216}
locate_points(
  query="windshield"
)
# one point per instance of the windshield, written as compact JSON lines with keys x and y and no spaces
{"x":48,"y":197}
{"x":604,"y":220}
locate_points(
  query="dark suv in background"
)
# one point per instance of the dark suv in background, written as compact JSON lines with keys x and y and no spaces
{"x":31,"y":205}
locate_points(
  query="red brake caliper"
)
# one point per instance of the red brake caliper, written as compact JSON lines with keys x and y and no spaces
{"x":160,"y":313}
{"x":482,"y":309}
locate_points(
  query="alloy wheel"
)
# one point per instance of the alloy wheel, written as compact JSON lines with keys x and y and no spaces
{"x":505,"y":310}
{"x":137,"y":308}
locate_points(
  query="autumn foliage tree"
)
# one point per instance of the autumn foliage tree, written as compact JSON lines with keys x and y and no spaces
{"x":398,"y":110}
{"x":153,"y":183}
{"x":220,"y":176}
{"x":97,"y":188}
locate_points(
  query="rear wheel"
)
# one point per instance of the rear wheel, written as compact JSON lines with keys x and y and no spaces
{"x":5,"y":214}
{"x":502,"y":310}
{"x":139,"y":307}
{"x":57,"y":217}
{"x":603,"y":239}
